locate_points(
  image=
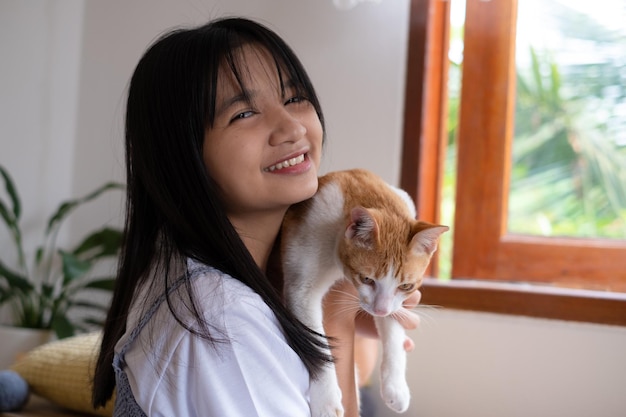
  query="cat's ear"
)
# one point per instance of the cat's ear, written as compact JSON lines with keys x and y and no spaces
{"x":363,"y":229}
{"x":426,"y":240}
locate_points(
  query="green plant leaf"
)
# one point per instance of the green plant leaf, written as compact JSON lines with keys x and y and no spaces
{"x":8,"y":218}
{"x":90,"y":305}
{"x":9,"y":186}
{"x":11,"y":216}
{"x":66,"y":207}
{"x":555,"y":81}
{"x":30,"y":311}
{"x":101,"y":284}
{"x":62,"y":327}
{"x":536,"y":74}
{"x":42,"y":301}
{"x":47,"y":291}
{"x":14,"y":279}
{"x":38,"y":255}
{"x":73,"y":268}
{"x":94,"y":321}
{"x":101,"y":243}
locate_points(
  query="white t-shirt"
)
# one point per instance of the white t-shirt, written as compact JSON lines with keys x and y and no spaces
{"x":174,"y":373}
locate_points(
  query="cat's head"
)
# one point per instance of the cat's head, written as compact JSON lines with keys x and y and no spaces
{"x":386,"y":256}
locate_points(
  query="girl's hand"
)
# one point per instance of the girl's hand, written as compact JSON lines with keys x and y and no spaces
{"x":407,"y":318}
{"x":342,"y":303}
{"x":343,"y":320}
{"x":340,"y":312}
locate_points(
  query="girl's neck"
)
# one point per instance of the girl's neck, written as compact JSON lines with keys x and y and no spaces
{"x":258,"y":232}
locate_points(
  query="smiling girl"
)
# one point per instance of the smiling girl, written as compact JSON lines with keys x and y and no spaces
{"x":224,"y":132}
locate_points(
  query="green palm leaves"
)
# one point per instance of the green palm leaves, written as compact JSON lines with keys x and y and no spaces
{"x":569,"y":170}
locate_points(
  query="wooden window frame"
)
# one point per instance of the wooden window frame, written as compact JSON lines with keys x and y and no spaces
{"x":492,"y":270}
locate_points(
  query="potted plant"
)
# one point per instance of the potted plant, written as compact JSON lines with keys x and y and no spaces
{"x":41,"y":293}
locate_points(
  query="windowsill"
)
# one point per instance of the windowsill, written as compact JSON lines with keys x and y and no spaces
{"x":527,"y":300}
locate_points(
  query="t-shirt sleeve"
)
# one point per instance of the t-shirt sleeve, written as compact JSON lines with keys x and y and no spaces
{"x":253,"y":374}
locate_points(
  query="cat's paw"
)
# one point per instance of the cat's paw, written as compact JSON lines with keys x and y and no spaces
{"x":325,"y":402}
{"x":396,"y":396}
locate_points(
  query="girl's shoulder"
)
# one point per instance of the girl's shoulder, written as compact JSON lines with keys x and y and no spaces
{"x":201,"y":292}
{"x":166,"y":363}
{"x":219,"y":292}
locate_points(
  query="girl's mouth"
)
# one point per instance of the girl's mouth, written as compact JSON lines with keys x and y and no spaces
{"x":286,"y":163}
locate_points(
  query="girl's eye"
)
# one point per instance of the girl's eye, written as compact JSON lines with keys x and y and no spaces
{"x":296,"y":99}
{"x":406,"y":287}
{"x":242,"y":115}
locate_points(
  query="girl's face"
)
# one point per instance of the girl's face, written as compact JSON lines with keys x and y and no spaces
{"x":264,"y":153}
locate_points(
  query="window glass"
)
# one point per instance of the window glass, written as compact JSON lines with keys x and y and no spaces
{"x":569,"y":151}
{"x":455,"y":55}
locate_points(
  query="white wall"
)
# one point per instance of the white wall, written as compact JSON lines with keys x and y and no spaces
{"x":487,"y":365}
{"x":63,"y":71}
{"x":39,"y":77}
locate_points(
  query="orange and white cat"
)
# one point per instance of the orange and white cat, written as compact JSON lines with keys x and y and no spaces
{"x":358,"y":227}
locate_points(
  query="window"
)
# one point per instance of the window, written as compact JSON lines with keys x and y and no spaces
{"x":493,"y":268}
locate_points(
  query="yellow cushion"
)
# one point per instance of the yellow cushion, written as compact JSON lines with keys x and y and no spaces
{"x":61,"y":371}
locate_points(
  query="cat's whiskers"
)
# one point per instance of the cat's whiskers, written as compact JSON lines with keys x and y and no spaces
{"x":348,"y":304}
{"x":421,"y":311}
{"x":347,"y":310}
{"x":346,"y":293}
{"x":351,"y":303}
{"x":399,"y":314}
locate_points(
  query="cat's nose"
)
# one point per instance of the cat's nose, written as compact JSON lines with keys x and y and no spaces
{"x":381,"y":311}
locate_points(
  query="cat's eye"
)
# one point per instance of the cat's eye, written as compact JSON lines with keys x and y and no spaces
{"x":366,"y":280}
{"x":406,"y":287}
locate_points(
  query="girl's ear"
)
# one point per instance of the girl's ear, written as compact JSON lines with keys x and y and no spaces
{"x":363,"y":229}
{"x":426,"y":240}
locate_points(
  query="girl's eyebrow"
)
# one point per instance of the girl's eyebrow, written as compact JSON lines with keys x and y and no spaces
{"x":247,"y":96}
{"x":242,"y":97}
{"x":289,"y":85}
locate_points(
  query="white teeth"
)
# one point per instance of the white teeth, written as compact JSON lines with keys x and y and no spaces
{"x":288,"y":163}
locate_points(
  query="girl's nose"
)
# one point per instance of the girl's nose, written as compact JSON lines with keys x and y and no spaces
{"x":286,"y":128}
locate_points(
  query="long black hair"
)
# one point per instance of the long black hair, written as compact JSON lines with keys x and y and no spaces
{"x":173,"y":207}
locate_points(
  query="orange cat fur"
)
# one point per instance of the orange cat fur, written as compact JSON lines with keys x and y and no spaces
{"x":358,"y":227}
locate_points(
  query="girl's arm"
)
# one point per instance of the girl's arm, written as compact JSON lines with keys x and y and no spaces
{"x":340,"y":312}
{"x":342,"y":322}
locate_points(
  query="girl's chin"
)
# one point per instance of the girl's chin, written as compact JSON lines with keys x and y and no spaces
{"x":303,"y":194}
{"x":310,"y":190}
{"x":302,"y":197}
{"x":296,"y":190}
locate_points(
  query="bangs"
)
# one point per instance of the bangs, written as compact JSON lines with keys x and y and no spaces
{"x":236,"y":61}
{"x":289,"y":69}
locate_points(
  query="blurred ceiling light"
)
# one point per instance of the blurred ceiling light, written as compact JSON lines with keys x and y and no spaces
{"x":349,"y":4}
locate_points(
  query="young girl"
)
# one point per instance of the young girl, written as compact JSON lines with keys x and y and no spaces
{"x":224,"y":132}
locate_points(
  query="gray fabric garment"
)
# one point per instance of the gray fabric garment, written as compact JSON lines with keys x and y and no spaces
{"x":125,"y":404}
